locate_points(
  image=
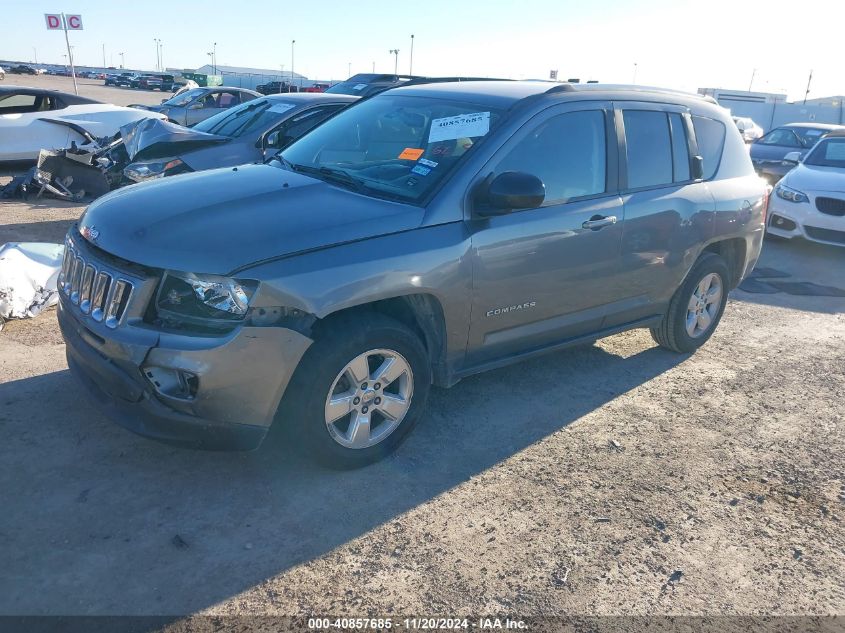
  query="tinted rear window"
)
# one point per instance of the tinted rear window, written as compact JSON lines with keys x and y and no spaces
{"x":680,"y":149}
{"x":649,"y":148}
{"x":710,"y":135}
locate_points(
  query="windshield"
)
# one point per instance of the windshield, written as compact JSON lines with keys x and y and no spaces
{"x":828,"y":153}
{"x":392,"y":146}
{"x":348,"y":88}
{"x":185,"y":98}
{"x":247,"y":118}
{"x":809,"y":136}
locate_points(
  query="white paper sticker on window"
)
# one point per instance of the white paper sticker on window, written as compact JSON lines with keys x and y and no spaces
{"x":835,"y":150}
{"x":280,"y":107}
{"x":461,"y":126}
{"x":359,"y":86}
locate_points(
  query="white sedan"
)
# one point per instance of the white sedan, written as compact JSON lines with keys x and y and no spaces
{"x":809,"y":201}
{"x":33,"y":119}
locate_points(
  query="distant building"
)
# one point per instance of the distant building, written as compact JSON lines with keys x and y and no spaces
{"x":769,"y":109}
{"x":744,"y":96}
{"x":242,"y":77}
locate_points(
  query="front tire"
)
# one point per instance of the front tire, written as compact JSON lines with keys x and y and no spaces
{"x":359,"y":390}
{"x":696,"y":307}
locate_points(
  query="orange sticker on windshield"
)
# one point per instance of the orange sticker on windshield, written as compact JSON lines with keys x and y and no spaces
{"x":411,"y":153}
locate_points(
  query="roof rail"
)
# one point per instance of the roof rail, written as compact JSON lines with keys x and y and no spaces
{"x":435,"y":80}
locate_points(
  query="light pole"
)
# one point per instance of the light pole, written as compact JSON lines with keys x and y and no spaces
{"x":281,"y":78}
{"x":290,"y":85}
{"x":122,"y":65}
{"x":395,"y":53}
{"x":35,"y":53}
{"x":158,"y":64}
{"x":635,"y":73}
{"x":161,"y":55}
{"x":214,"y":58}
{"x":104,"y":56}
{"x":349,"y":71}
{"x":411,"y":69}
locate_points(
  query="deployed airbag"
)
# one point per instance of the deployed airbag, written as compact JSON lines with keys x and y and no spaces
{"x":28,"y":275}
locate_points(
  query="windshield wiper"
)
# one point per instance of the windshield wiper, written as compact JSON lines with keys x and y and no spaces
{"x":328,"y":174}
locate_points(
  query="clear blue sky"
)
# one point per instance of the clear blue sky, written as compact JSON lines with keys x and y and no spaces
{"x":682,"y":44}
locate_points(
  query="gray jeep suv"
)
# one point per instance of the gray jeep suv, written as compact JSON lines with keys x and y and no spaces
{"x":420,"y":236}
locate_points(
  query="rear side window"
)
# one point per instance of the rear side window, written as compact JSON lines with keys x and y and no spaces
{"x":680,"y":148}
{"x":568,"y":153}
{"x":710,"y":135}
{"x":649,"y":148}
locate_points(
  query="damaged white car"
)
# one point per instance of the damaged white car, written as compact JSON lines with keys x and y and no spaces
{"x":28,"y":274}
{"x":33,"y":119}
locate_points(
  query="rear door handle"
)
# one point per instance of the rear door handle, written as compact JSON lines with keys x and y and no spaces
{"x":598,"y":221}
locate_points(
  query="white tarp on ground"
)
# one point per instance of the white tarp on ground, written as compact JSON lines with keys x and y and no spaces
{"x":28,"y":274}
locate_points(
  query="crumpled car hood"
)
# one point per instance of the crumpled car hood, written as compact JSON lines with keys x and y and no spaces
{"x":223,"y":220}
{"x":156,"y":138}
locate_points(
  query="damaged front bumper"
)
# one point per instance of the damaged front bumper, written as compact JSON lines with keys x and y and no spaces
{"x":216,"y":393}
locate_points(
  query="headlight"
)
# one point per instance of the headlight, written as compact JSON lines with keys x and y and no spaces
{"x":154,"y":169}
{"x":791,"y":195}
{"x":203,"y":298}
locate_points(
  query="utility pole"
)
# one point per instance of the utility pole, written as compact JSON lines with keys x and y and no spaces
{"x":809,"y":79}
{"x":70,"y":55}
{"x":161,"y":55}
{"x":104,"y":55}
{"x":411,"y":69}
{"x":292,"y":44}
{"x":395,"y":53}
{"x":122,"y":59}
{"x":158,"y":64}
{"x":751,"y":83}
{"x":35,"y":52}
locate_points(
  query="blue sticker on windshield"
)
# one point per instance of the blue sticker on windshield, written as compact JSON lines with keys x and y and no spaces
{"x":422,"y":171}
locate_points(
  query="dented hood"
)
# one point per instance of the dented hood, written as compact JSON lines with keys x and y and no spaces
{"x":155,"y":138}
{"x":223,"y":220}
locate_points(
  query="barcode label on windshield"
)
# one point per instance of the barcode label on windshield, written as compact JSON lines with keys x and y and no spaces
{"x":461,"y":126}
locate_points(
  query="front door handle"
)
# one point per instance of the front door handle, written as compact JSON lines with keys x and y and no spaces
{"x":598,"y":221}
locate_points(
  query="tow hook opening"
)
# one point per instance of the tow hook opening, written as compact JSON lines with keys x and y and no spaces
{"x":173,"y":383}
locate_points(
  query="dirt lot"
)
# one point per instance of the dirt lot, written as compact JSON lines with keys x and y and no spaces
{"x":611,"y":479}
{"x":91,"y":88}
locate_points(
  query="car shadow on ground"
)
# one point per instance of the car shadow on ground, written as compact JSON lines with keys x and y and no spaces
{"x":104,"y":522}
{"x":797,"y":274}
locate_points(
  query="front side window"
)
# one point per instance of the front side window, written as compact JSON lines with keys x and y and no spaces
{"x":297,"y":126}
{"x":649,"y":148}
{"x":185,"y":98}
{"x":781,"y":136}
{"x":392,"y":146}
{"x":568,"y":153}
{"x":710,"y":135}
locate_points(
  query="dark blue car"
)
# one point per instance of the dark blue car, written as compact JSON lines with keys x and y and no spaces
{"x":767,"y":153}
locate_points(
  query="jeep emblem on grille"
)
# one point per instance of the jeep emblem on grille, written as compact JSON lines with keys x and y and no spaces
{"x":90,"y":233}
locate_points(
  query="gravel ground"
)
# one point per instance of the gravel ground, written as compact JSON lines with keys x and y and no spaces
{"x":610,"y":479}
{"x":91,"y":88}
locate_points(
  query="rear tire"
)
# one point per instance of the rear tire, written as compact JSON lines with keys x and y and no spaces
{"x":696,"y":307}
{"x":339,"y":378}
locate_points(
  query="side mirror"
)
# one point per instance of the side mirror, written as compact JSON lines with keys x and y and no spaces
{"x":792,"y":157}
{"x":270,"y":140}
{"x":697,"y":168}
{"x":512,"y":190}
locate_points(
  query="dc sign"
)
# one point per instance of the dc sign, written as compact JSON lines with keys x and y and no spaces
{"x":62,"y":22}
